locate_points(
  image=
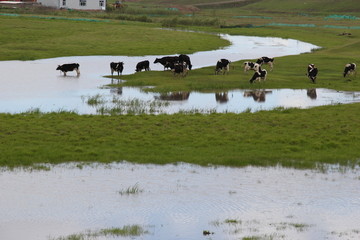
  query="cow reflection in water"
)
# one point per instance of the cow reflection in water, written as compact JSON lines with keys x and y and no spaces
{"x":174,"y":96}
{"x":311,"y":93}
{"x":222,"y":97}
{"x":116,"y":90}
{"x":257,"y":95}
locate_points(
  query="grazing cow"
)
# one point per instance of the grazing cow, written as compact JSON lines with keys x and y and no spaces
{"x":266,"y":60}
{"x":350,"y":68}
{"x":251,"y":66}
{"x":116,"y":67}
{"x":69,"y":67}
{"x":312,"y":72}
{"x":185,"y":59}
{"x":180,"y":68}
{"x":222,"y":65}
{"x":165,"y":61}
{"x":260,"y":74}
{"x":143,"y":65}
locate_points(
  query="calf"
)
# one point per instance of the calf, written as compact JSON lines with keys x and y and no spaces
{"x":251,"y":66}
{"x":143,"y":65}
{"x":180,"y":68}
{"x":116,"y":67}
{"x":350,"y":68}
{"x":259,"y":75}
{"x":222,"y":65}
{"x":166,"y":60}
{"x":266,"y":60}
{"x":69,"y":67}
{"x":312,"y":72}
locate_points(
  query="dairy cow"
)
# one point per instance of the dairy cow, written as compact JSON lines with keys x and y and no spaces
{"x":116,"y":67}
{"x":312,"y":72}
{"x":266,"y":60}
{"x":259,"y":75}
{"x":69,"y":68}
{"x":350,"y":68}
{"x":251,"y":66}
{"x":223,"y":65}
{"x":142,"y":65}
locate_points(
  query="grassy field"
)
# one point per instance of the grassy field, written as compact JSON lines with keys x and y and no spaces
{"x":296,"y":138}
{"x":26,"y":38}
{"x":292,"y":138}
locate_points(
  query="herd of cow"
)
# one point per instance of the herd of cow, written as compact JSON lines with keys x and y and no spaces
{"x":181,"y":65}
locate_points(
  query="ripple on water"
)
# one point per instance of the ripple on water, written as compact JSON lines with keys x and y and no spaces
{"x":180,"y":201}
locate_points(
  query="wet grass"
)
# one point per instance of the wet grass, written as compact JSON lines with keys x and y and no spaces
{"x":288,"y":137}
{"x":131,"y":190}
{"x":126,"y":231}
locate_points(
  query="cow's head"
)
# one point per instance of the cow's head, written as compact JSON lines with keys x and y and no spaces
{"x":59,"y":67}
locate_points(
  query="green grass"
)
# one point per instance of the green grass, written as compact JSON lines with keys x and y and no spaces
{"x":292,"y":138}
{"x":26,"y":38}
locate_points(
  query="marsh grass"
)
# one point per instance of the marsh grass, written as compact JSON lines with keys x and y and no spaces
{"x":126,"y":231}
{"x":131,"y":190}
{"x":117,"y":106}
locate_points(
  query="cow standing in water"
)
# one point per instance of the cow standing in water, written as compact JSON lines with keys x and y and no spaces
{"x":116,"y":67}
{"x":312,"y":72}
{"x":69,"y":67}
{"x":350,"y":68}
{"x":142,"y":65}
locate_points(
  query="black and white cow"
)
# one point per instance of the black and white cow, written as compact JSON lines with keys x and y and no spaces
{"x":185,"y":59}
{"x":266,"y":60}
{"x":259,"y":75}
{"x":312,"y":72}
{"x":222,"y":65}
{"x":69,"y":67}
{"x":180,"y":69}
{"x":116,"y":67}
{"x":166,"y":61}
{"x":143,"y":65}
{"x":350,"y":68}
{"x":251,"y":66}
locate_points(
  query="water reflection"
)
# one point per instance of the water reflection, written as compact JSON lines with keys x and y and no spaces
{"x":222,"y":97}
{"x":174,"y":96}
{"x":312,"y":93}
{"x":180,"y":202}
{"x":257,"y":95}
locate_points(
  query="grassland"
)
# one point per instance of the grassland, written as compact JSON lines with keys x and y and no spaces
{"x":296,"y":138}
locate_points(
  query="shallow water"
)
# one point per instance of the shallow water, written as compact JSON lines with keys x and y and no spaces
{"x":181,"y":201}
{"x":26,"y":85}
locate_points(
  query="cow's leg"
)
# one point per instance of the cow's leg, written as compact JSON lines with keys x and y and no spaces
{"x":64,"y":73}
{"x":77,"y":71}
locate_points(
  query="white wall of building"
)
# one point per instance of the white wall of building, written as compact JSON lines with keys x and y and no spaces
{"x":75,"y":4}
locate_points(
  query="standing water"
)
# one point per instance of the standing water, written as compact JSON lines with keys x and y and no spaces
{"x":39,"y":85}
{"x":181,"y":202}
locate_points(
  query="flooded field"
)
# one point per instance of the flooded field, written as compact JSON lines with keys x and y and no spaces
{"x":181,"y":202}
{"x":28,"y":85}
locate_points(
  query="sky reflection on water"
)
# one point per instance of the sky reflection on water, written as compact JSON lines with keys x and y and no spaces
{"x":181,"y":201}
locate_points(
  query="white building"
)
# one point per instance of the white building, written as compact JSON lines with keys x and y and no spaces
{"x":75,"y":4}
